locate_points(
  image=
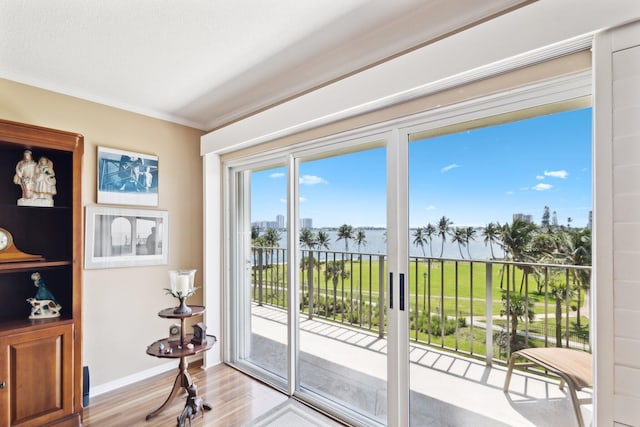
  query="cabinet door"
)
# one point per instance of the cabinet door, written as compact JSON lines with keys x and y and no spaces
{"x":36,"y":369}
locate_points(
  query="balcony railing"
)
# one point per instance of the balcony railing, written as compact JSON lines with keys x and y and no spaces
{"x":485,"y":309}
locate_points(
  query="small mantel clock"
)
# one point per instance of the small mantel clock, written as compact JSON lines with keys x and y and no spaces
{"x":8,"y":251}
{"x":174,"y":332}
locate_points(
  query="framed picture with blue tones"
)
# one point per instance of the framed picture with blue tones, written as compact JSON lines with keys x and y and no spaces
{"x":127,"y":178}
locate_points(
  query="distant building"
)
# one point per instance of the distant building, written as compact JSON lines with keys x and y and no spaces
{"x":263,"y":225}
{"x":523,"y":217}
{"x":590,"y":222}
{"x":280,"y":221}
{"x":306,"y":223}
{"x":554,"y":219}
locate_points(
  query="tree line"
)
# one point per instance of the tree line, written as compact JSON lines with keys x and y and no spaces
{"x":520,"y":241}
{"x":310,"y":240}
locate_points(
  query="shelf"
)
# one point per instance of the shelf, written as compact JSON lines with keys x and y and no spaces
{"x":177,"y":351}
{"x":167,"y":313}
{"x":23,"y":208}
{"x":10,"y":267}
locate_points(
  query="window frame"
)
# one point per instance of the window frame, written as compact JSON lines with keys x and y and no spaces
{"x":532,"y":98}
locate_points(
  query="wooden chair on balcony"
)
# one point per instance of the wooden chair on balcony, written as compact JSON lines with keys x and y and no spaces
{"x":574,"y":367}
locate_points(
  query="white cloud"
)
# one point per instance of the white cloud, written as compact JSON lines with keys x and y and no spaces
{"x":509,"y":193}
{"x":302,"y":199}
{"x":430,"y":208}
{"x":312,"y":180}
{"x":539,"y":177}
{"x":276,"y":175}
{"x":557,"y":174}
{"x":542,"y":187}
{"x":283,"y":201}
{"x":449,"y":167}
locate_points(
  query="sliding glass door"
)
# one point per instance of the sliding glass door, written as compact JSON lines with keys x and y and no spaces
{"x":310,"y":301}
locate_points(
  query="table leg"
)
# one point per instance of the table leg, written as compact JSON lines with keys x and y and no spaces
{"x":183,"y":380}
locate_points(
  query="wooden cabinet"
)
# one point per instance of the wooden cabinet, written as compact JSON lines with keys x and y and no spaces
{"x":35,"y":389}
{"x":40,"y":359}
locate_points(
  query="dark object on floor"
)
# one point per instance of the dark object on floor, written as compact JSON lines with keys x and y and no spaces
{"x":194,"y":406}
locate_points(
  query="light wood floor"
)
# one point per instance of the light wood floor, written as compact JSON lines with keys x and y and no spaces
{"x":235,"y":398}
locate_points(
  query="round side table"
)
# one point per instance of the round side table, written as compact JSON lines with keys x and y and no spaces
{"x":164,"y":348}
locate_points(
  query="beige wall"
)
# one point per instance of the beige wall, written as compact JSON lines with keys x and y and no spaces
{"x":121,"y":304}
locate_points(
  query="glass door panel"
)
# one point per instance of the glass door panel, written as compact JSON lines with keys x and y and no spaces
{"x":485,"y":207}
{"x":269,"y":284}
{"x":260,"y":300}
{"x":342,"y":355}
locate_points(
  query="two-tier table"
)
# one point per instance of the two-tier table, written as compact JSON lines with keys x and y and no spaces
{"x":180,"y":351}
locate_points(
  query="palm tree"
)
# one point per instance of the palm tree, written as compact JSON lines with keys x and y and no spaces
{"x":305,"y":261}
{"x":519,"y":308}
{"x":469,"y":234}
{"x":429,"y":232}
{"x":576,"y":250}
{"x":459,"y":236}
{"x":360,"y":239}
{"x":307,"y":238}
{"x":545,"y":247}
{"x":335,"y":271}
{"x":443,"y":230}
{"x":420,"y":238}
{"x":258,"y":243}
{"x":516,"y":238}
{"x":560,"y":291}
{"x":323,"y":240}
{"x":271,"y":238}
{"x":491,"y":234}
{"x":345,"y":232}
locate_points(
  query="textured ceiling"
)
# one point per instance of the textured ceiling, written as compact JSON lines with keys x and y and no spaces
{"x":205,"y":63}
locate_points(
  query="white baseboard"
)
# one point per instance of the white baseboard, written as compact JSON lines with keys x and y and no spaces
{"x":143,"y":375}
{"x":131,"y":379}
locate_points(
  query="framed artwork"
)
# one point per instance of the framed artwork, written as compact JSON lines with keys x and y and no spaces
{"x":127,"y":178}
{"x":123,"y":237}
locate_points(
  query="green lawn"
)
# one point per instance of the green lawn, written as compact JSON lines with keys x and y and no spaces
{"x":445,"y":283}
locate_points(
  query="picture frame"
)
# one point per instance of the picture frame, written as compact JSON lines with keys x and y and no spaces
{"x":125,"y":237}
{"x":127,"y":177}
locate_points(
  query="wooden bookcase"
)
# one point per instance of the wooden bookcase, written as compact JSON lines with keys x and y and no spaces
{"x":41,"y":360}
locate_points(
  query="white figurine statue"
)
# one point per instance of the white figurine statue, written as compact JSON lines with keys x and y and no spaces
{"x":45,"y":180}
{"x":37,"y":180}
{"x":25,"y":171}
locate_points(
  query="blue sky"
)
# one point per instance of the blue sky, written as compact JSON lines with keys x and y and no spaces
{"x":473,"y":178}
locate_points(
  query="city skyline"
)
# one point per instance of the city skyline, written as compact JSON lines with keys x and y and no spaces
{"x":473,"y":178}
